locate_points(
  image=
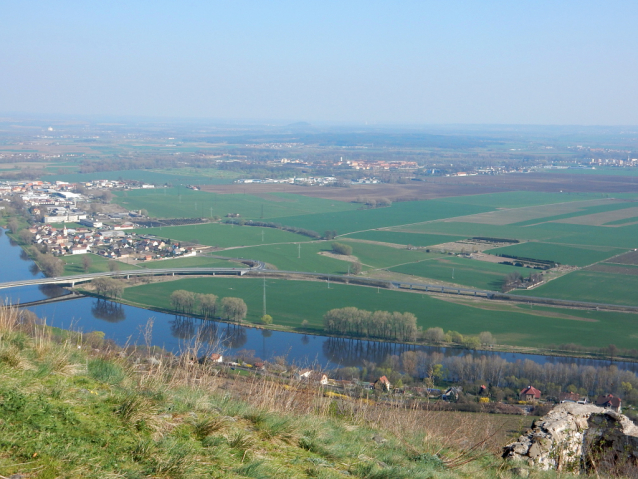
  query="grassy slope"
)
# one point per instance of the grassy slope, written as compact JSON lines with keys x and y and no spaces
{"x":291,"y":302}
{"x":68,"y":410}
{"x":185,"y":203}
{"x":63,"y":420}
{"x":222,"y":235}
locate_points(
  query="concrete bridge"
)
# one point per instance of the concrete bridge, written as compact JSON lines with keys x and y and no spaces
{"x":83,"y":278}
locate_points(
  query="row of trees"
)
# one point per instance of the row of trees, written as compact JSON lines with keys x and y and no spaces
{"x":48,"y":264}
{"x":279,"y":226}
{"x":367,"y":324}
{"x":373,"y":203}
{"x":109,"y":287}
{"x":188,"y":302}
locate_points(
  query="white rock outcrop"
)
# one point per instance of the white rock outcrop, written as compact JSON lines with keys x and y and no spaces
{"x":577,"y":437}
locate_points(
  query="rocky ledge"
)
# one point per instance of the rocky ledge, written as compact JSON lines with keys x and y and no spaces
{"x":578,"y":438}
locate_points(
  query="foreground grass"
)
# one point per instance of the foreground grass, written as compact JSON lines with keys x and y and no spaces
{"x":72,"y":407}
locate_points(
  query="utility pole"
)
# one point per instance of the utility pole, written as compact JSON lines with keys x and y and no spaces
{"x":262,"y":211}
{"x":299,"y":253}
{"x":452,"y":273}
{"x":264,"y":296}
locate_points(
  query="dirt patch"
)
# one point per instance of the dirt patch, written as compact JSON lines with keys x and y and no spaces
{"x":518,"y":215}
{"x":627,"y":258}
{"x":607,"y":268}
{"x":340,"y":257}
{"x":599,"y":219}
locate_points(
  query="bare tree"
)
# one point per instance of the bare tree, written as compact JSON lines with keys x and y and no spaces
{"x":234,"y":308}
{"x":86,"y":263}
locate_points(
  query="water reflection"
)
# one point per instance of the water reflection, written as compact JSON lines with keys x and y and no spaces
{"x":33,"y":269}
{"x":183,"y":327}
{"x":353,"y":352}
{"x":52,"y":290}
{"x":23,"y":255}
{"x":108,"y":311}
{"x":234,"y":336}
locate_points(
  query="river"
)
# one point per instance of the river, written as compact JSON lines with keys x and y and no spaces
{"x":125,"y":324}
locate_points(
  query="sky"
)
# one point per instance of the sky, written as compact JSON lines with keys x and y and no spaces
{"x":380,"y":62}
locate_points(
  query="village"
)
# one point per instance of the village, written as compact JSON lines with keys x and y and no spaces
{"x":525,"y":402}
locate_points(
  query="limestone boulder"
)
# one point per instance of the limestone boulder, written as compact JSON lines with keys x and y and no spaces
{"x":577,"y":437}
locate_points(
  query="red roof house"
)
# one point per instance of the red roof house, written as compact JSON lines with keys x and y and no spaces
{"x":530,"y":393}
{"x":609,"y":402}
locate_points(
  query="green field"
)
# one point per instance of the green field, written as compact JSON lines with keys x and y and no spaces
{"x":414,"y":239}
{"x":591,"y":286}
{"x":403,"y":213}
{"x":222,"y":235}
{"x":574,"y":255}
{"x":466,"y":272}
{"x":99,"y":264}
{"x":378,"y":256}
{"x":192,"y":262}
{"x":185,"y":203}
{"x":286,"y":257}
{"x":291,"y":302}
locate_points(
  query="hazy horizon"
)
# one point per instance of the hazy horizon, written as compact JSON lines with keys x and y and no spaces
{"x":413,"y":64}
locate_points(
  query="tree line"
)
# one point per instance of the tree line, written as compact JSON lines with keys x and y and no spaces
{"x":187,"y":302}
{"x":279,"y":226}
{"x":367,"y":324}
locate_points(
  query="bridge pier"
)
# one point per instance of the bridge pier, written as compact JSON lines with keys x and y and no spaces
{"x":128,"y":276}
{"x":173,"y":274}
{"x":426,"y":288}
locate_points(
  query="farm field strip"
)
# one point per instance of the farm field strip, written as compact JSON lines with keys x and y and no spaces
{"x":600,"y":219}
{"x":291,"y":302}
{"x":517,"y":215}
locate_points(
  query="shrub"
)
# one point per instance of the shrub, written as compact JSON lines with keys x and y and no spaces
{"x":340,"y":248}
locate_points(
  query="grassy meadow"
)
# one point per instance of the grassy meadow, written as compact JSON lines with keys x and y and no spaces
{"x":291,"y":302}
{"x":73,"y":264}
